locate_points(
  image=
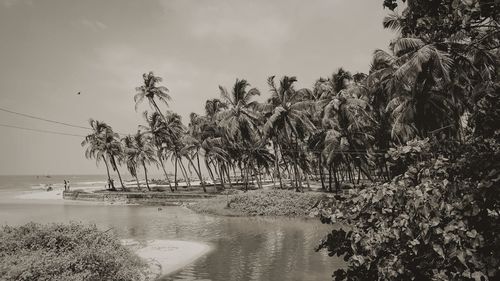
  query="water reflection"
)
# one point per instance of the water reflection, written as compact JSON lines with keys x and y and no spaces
{"x":244,"y":248}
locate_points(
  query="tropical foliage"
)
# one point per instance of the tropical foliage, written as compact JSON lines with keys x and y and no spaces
{"x":415,"y":141}
{"x":65,"y":252}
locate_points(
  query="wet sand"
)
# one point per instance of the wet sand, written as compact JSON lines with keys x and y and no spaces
{"x":168,"y":255}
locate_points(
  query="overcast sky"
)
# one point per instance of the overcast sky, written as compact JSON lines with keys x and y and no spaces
{"x":50,"y":50}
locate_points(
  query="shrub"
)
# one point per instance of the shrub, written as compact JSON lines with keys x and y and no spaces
{"x":274,"y":203}
{"x":65,"y":252}
{"x":440,"y":220}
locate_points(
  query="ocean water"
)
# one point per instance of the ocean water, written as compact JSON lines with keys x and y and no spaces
{"x":30,"y":182}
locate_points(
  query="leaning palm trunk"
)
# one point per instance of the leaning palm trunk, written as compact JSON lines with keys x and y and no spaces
{"x":157,"y":109}
{"x":199,"y":169}
{"x":137,"y":180}
{"x":165,"y":173}
{"x":228,"y":177}
{"x":220,"y":174}
{"x":115,"y":166}
{"x":146,"y":175}
{"x":210,"y":173}
{"x":184,"y":173}
{"x":198,"y":173}
{"x":110,"y":183}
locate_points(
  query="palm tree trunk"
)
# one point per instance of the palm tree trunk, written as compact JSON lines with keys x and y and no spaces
{"x":210,"y":173}
{"x":164,"y":171}
{"x":146,"y":175}
{"x":198,"y":173}
{"x":259,"y":180}
{"x":117,"y":171}
{"x":298,"y":175}
{"x":220,"y":174}
{"x":247,"y":171}
{"x":330,"y":178}
{"x":184,"y":172}
{"x":320,"y":168}
{"x":216,"y":168}
{"x":137,"y":180}
{"x":199,"y":169}
{"x":175,"y":174}
{"x":157,"y":109}
{"x":110,"y":183}
{"x":337,"y":185}
{"x":228,"y":177}
{"x":276,"y":160}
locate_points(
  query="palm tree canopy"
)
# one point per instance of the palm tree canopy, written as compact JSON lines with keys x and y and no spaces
{"x":151,"y":90}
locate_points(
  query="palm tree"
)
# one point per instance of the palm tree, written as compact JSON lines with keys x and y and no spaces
{"x":114,"y":151}
{"x":289,"y":119}
{"x":413,"y":78}
{"x":239,"y":119}
{"x":130,"y":158}
{"x":160,"y":137}
{"x":349,"y":131}
{"x":152,"y":90}
{"x":239,"y":122}
{"x":173,"y":145}
{"x":142,"y":153}
{"x":102,"y":144}
{"x":193,"y":141}
{"x":191,"y":151}
{"x":95,"y":147}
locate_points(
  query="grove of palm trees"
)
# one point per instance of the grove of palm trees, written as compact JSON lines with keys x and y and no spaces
{"x":408,"y":153}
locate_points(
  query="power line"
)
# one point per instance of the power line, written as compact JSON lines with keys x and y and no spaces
{"x":43,"y":119}
{"x":51,"y":121}
{"x":42,"y":131}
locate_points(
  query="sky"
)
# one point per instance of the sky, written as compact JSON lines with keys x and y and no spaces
{"x":50,"y":50}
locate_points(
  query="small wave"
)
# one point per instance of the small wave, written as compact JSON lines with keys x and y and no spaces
{"x":89,"y":182}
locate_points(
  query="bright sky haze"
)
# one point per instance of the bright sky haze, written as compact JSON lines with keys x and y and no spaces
{"x":50,"y":50}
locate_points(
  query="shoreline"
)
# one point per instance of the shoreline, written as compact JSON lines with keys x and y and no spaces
{"x":165,"y":257}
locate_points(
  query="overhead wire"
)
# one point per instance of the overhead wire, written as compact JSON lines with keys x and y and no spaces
{"x":48,"y":120}
{"x":42,"y":131}
{"x":44,"y":119}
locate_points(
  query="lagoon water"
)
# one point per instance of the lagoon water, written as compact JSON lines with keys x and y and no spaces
{"x":243,"y":248}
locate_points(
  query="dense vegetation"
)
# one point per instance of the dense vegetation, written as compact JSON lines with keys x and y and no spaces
{"x":438,"y":215}
{"x":419,"y":134}
{"x":65,"y":252}
{"x":261,"y":203}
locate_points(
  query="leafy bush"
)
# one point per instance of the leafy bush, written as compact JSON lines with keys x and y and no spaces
{"x":65,"y":252}
{"x":215,"y":206}
{"x":274,"y":203}
{"x":440,"y":220}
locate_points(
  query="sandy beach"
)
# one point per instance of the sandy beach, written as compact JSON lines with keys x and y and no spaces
{"x":167,"y":256}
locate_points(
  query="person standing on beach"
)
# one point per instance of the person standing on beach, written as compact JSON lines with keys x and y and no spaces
{"x":65,"y":185}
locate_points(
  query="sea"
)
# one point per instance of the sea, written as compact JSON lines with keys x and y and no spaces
{"x":16,"y":183}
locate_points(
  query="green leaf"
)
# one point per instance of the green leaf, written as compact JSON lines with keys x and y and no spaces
{"x":438,"y":249}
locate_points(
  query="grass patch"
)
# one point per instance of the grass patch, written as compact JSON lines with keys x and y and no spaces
{"x":65,"y":252}
{"x":215,"y":206}
{"x":261,"y":203}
